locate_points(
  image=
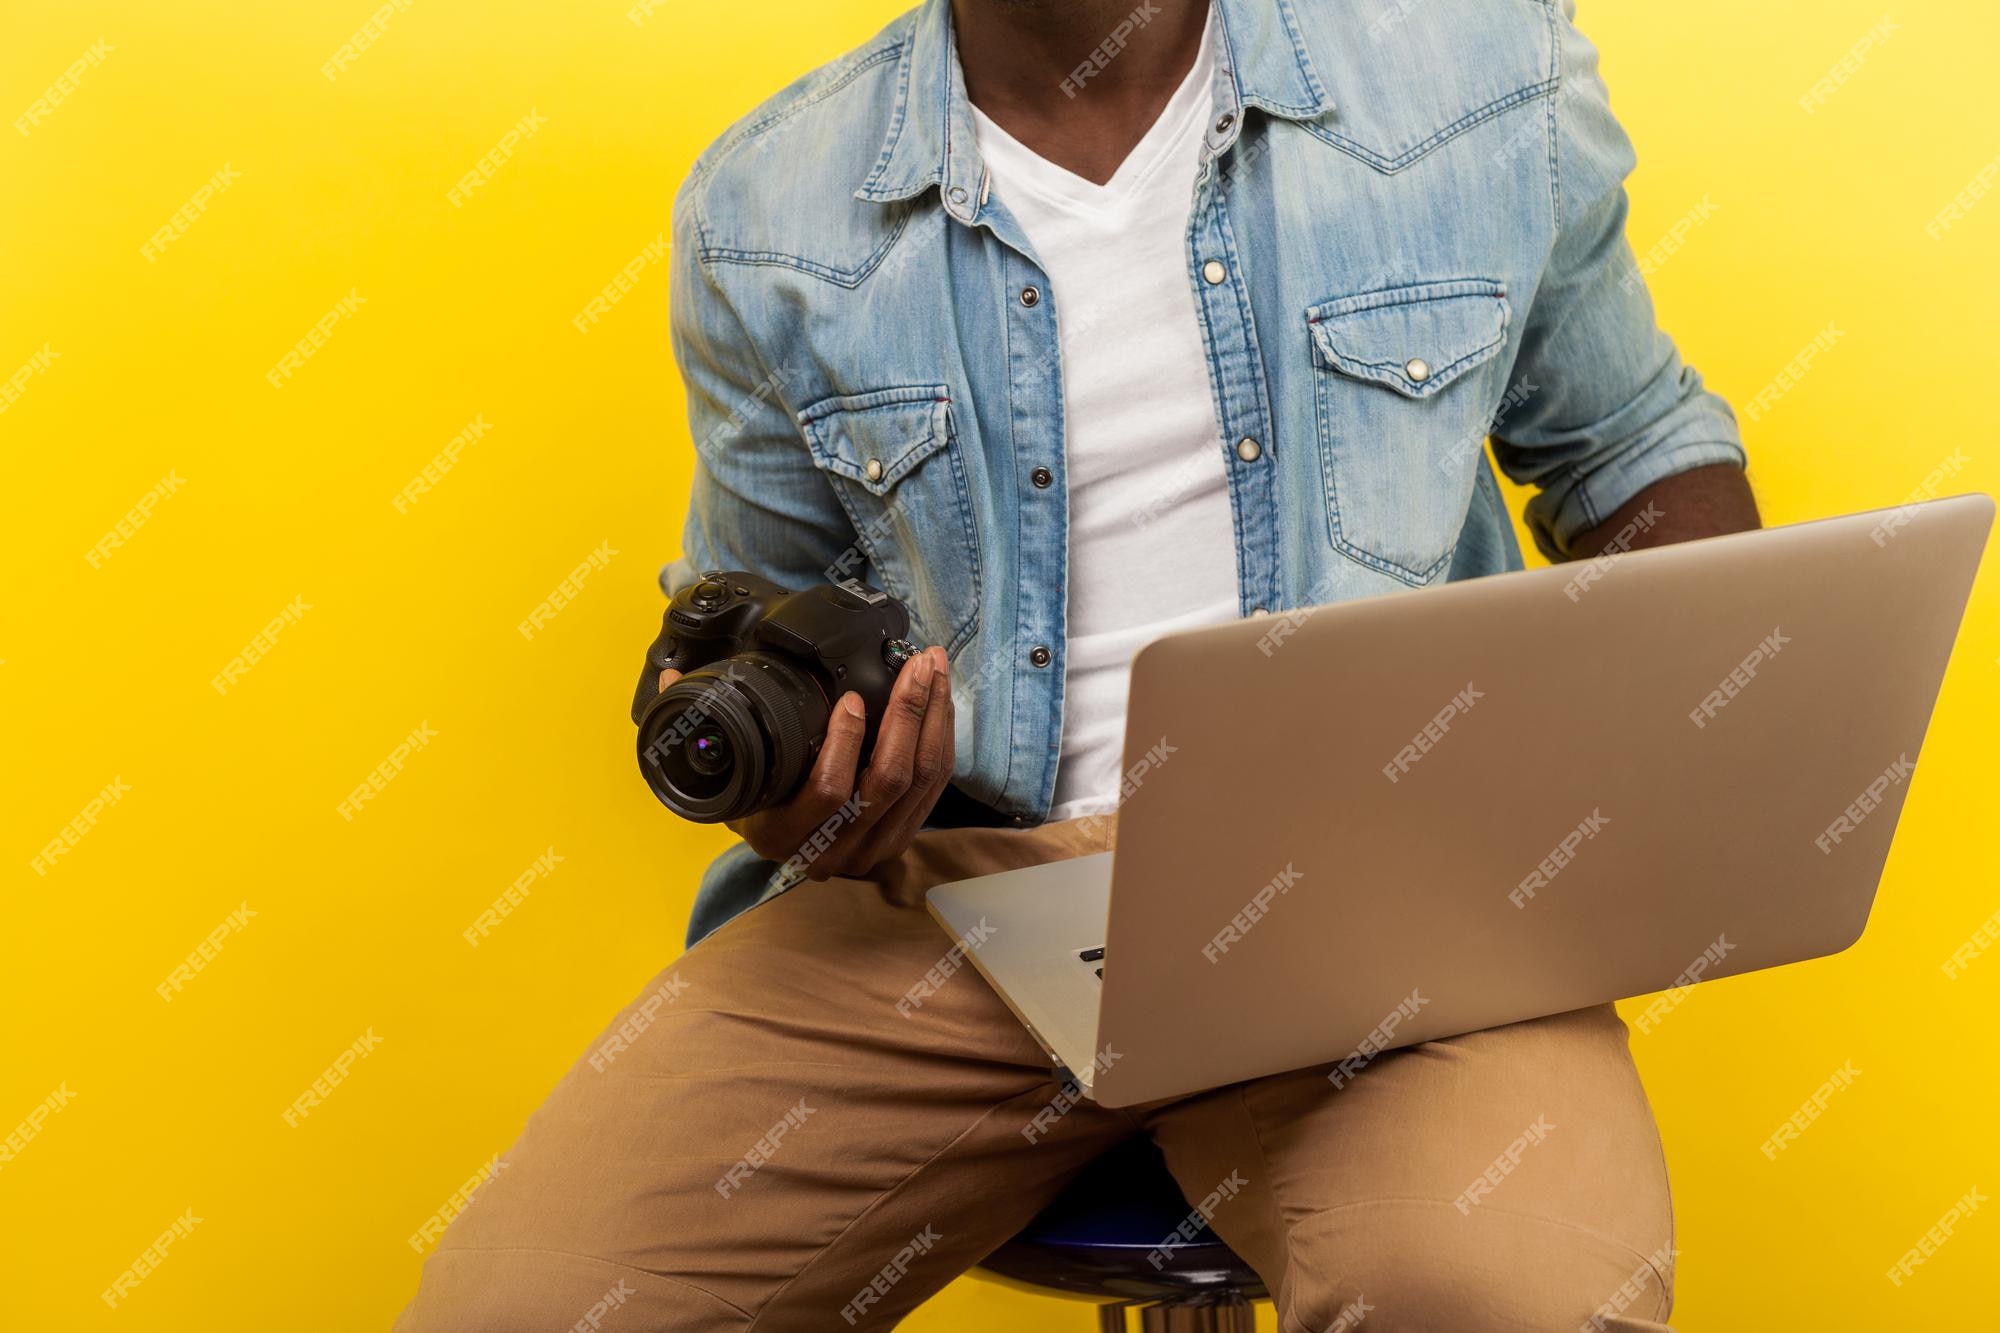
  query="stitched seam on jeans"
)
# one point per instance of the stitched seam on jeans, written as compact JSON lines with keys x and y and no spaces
{"x":876,"y":1202}
{"x":744,"y":135}
{"x":1417,"y":152}
{"x":848,"y":278}
{"x":594,"y":1259}
{"x":1558,"y":68}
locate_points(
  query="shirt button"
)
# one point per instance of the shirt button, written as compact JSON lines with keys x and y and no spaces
{"x":1224,"y":121}
{"x":958,"y":194}
{"x":1417,"y":369}
{"x":1214,"y":272}
{"x":1030,"y":297}
{"x":1041,"y":656}
{"x":1248,"y":449}
{"x":1257,"y":611}
{"x":1043,"y":478}
{"x":874,"y":469}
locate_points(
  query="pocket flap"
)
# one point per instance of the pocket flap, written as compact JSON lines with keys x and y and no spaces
{"x":876,"y":439}
{"x":1415,"y":340}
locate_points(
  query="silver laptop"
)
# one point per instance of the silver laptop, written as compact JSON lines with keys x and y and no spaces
{"x":1381,"y":822}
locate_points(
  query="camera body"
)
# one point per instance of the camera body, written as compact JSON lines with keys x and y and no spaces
{"x":762,"y":667}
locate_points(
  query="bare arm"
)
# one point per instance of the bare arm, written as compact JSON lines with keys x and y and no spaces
{"x":1701,"y":502}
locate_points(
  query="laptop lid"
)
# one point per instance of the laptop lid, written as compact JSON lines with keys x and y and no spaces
{"x":1389,"y":820}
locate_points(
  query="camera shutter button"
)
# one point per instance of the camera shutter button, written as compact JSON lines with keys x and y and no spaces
{"x":709,"y":593}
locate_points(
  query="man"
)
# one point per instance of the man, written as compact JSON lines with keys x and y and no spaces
{"x":1070,"y":324}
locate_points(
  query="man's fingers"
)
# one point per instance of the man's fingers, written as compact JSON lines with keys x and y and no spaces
{"x":788,"y":827}
{"x":667,"y":677}
{"x":911,"y":762}
{"x":930,"y":768}
{"x":831,"y":781}
{"x":830,"y":785}
{"x":930,"y":764}
{"x":889,"y":771}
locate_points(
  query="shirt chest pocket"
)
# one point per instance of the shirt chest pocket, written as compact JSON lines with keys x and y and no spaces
{"x":1404,"y":390}
{"x":894,"y":460}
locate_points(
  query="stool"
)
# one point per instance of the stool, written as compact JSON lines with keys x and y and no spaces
{"x":1095,"y":1238}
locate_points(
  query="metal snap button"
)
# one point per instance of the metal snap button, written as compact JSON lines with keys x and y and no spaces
{"x":1214,"y":272}
{"x":1030,"y":297}
{"x":1417,"y":369}
{"x":1041,"y":657}
{"x":874,"y":469}
{"x":1248,"y":449}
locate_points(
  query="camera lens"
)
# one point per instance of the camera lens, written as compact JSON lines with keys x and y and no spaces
{"x":699,"y":746}
{"x":708,"y":753}
{"x":733,"y":738}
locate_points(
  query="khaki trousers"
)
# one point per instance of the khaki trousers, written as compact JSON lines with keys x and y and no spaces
{"x":766,"y":1141}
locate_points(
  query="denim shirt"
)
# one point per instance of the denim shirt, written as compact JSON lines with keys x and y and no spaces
{"x":1406,"y":236}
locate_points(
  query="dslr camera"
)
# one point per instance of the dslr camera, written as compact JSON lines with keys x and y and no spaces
{"x":762,"y":667}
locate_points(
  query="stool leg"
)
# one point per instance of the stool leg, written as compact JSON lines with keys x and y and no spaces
{"x":1230,"y":1316}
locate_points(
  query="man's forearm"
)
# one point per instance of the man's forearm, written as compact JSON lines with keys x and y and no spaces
{"x":1702,"y":502}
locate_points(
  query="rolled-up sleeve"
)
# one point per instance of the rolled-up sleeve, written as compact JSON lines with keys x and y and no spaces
{"x":1606,"y":407}
{"x":757,"y":503}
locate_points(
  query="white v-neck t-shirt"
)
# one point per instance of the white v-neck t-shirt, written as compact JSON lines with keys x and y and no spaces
{"x":1152,"y":545}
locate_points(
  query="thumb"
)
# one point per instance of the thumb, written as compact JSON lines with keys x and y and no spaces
{"x":668,"y":677}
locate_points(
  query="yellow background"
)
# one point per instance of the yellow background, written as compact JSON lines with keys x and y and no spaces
{"x":287,"y":494}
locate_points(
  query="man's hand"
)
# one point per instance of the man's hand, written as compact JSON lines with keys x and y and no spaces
{"x":912,"y":762}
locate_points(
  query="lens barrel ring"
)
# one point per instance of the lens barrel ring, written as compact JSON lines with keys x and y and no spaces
{"x":779,"y":696}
